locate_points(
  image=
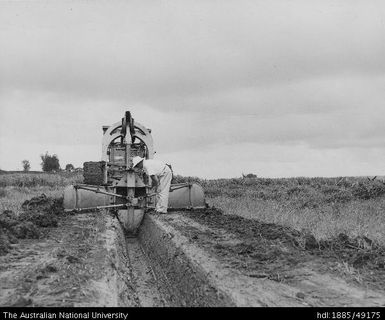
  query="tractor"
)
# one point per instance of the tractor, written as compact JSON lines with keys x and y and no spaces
{"x":114,"y":184}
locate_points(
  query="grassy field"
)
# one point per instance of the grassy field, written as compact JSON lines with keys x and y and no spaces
{"x":323,"y":206}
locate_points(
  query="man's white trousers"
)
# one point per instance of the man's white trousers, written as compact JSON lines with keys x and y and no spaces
{"x":163,"y":190}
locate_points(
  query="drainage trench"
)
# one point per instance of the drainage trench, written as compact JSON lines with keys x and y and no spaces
{"x":167,"y":268}
{"x":166,"y":271}
{"x":149,"y":293}
{"x":134,"y":281}
{"x":162,"y":272}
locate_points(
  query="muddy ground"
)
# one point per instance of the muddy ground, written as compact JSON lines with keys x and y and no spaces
{"x":271,"y":251}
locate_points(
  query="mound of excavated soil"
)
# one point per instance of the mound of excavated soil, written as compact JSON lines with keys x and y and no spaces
{"x":44,"y":203}
{"x":42,"y":211}
{"x":38,"y":212}
{"x":270,"y":249}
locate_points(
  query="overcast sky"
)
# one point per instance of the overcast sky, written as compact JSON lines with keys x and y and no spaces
{"x":276,"y":88}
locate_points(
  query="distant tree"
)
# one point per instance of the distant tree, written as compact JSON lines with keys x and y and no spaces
{"x":26,"y":165}
{"x":49,"y":163}
{"x":249,"y":175}
{"x":70,"y":167}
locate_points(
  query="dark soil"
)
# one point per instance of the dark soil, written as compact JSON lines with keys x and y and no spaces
{"x":38,"y":212}
{"x":272,"y":251}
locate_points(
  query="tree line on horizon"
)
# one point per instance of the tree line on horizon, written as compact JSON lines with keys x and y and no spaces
{"x":49,"y":163}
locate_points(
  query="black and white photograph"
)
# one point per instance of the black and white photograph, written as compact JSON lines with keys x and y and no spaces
{"x":158,"y":154}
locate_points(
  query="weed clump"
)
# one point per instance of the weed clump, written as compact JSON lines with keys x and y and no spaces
{"x":366,"y":190}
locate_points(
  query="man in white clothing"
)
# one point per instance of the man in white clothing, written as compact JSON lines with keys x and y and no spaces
{"x":161,"y":175}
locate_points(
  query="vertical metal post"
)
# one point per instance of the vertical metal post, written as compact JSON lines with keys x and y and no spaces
{"x":105,"y":172}
{"x":76,"y":198}
{"x":189,"y":194}
{"x":130,"y":186}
